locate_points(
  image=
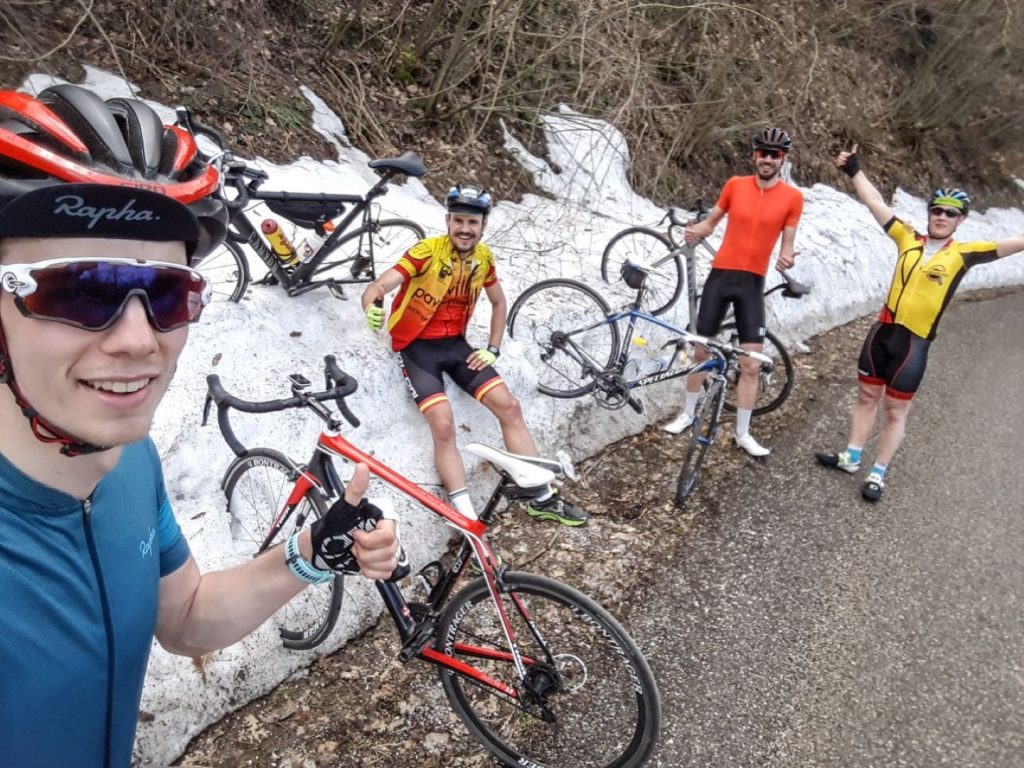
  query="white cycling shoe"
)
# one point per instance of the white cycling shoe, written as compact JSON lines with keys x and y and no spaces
{"x":680,"y":424}
{"x":751,"y":446}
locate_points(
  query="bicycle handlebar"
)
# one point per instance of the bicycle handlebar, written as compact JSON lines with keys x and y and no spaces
{"x":339,"y":386}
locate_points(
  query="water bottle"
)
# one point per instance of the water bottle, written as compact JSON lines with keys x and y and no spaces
{"x":636,"y":362}
{"x":308,"y":247}
{"x":283,"y":248}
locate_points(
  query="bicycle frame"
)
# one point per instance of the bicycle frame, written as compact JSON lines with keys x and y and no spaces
{"x":416,"y":632}
{"x":298,"y":281}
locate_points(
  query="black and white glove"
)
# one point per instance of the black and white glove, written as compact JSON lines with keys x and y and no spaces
{"x":334,"y":534}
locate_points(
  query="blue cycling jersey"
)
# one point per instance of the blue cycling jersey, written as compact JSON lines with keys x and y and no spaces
{"x":78,"y":605}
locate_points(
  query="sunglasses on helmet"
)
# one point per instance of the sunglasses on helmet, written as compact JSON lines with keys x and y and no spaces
{"x":949,"y":213}
{"x":91,"y":293}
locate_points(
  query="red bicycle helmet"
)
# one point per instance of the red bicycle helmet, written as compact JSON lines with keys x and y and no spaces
{"x":69,"y":135}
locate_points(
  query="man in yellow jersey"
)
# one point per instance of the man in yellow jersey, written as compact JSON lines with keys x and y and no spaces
{"x":761,"y":208}
{"x":892,"y":362}
{"x":439,"y":281}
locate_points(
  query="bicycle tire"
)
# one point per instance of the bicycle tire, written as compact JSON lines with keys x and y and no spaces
{"x":596,"y":683}
{"x":543,"y":320}
{"x":227,"y":271}
{"x":649,"y":246}
{"x":354,"y":258}
{"x":702,"y":435}
{"x":257,"y":485}
{"x":782,"y":378}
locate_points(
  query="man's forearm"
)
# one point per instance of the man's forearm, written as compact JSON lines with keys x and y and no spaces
{"x":228,"y":605}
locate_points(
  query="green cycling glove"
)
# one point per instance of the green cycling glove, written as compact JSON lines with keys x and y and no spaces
{"x":375,"y":316}
{"x":488,"y":355}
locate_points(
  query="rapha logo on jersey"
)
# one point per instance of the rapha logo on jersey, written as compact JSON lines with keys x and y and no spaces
{"x":146,"y":545}
{"x":74,"y":205}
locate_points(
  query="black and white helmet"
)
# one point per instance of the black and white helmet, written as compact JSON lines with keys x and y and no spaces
{"x":773,"y":138}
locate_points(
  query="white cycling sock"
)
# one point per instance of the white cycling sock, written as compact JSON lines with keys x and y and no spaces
{"x":742,"y":421}
{"x":547,"y":494}
{"x":690,"y":403}
{"x":462,"y":503}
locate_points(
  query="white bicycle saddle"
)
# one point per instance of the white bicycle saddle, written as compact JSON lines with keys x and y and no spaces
{"x":525,"y":471}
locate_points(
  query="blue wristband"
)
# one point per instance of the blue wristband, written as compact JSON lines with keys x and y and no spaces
{"x":301,"y":568}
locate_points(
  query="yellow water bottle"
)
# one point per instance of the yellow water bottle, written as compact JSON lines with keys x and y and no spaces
{"x":283,"y":248}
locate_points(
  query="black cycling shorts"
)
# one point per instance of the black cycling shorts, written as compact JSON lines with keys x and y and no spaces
{"x":895,"y":357}
{"x":745,"y":292}
{"x":425,"y":360}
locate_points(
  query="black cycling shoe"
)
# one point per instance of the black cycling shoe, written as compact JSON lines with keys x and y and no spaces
{"x":873,"y":487}
{"x":838,"y":461}
{"x":558,"y":509}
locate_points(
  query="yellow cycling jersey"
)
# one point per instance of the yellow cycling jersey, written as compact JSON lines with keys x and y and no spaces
{"x":440,"y":290}
{"x":920,"y":292}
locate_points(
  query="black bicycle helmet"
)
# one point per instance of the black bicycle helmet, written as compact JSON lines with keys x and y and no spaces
{"x":954,"y":197}
{"x":69,"y":135}
{"x":773,"y":138}
{"x":468,"y":198}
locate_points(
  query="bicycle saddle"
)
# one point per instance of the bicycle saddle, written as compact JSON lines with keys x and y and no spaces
{"x":525,"y":471}
{"x":795,"y":289}
{"x":408,"y":163}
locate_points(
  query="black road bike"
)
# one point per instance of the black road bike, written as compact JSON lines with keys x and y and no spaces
{"x":348,"y":248}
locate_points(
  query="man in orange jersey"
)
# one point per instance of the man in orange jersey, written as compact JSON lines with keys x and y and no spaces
{"x":760,"y":208}
{"x":439,"y":281}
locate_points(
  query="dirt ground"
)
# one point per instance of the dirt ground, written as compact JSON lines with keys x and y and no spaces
{"x":361,"y":707}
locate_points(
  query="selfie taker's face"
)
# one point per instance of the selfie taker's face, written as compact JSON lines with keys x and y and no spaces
{"x":103,"y":387}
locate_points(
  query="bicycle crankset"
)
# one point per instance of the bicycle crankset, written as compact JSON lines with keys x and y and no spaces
{"x":611,"y":391}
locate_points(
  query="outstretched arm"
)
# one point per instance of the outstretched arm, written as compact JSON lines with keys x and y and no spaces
{"x":199,"y":613}
{"x":704,"y":228}
{"x":848,"y":162}
{"x":1009,"y":246}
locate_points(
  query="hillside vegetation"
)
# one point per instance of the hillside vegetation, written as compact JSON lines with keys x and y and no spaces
{"x":932,"y":90}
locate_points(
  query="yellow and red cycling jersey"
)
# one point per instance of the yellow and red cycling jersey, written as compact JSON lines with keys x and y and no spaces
{"x":756,"y":219}
{"x":921,"y":290}
{"x":440,"y":290}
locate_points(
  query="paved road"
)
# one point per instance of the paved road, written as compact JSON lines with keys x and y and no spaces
{"x":806,"y":627}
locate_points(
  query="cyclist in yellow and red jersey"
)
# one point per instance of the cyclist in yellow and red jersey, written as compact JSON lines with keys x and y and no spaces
{"x":439,"y":281}
{"x":929,"y":268}
{"x":760,"y":207}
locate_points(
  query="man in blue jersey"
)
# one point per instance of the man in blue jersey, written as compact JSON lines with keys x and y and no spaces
{"x":102,"y":212}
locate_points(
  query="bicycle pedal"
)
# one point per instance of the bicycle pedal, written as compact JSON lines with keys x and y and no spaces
{"x":337,"y":291}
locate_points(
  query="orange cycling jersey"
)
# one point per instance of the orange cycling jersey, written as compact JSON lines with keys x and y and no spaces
{"x":756,"y":219}
{"x":440,"y":291}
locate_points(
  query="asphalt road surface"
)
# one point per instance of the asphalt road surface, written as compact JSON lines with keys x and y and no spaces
{"x":806,"y":627}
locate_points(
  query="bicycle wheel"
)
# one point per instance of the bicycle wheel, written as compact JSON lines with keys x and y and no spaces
{"x":771,"y":397}
{"x":257,"y":486}
{"x":589,"y":698}
{"x":356,"y":255}
{"x":561,"y":325}
{"x":702,"y":435}
{"x":646,"y":246}
{"x":227,"y":271}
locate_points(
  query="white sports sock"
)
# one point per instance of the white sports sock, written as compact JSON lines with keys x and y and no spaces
{"x":462,"y":503}
{"x":742,"y":421}
{"x":690,"y":404}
